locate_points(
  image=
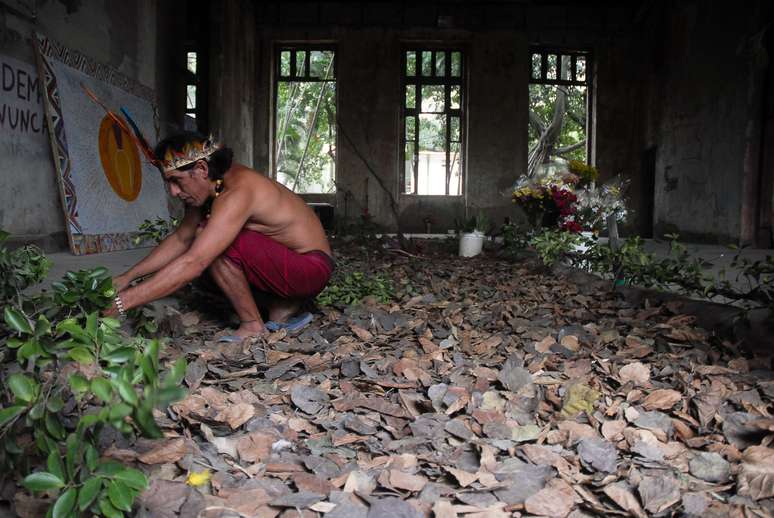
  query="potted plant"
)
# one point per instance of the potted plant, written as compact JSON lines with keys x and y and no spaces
{"x":472,"y":236}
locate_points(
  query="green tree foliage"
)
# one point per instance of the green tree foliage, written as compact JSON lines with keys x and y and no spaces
{"x":306,"y":127}
{"x":557,"y":123}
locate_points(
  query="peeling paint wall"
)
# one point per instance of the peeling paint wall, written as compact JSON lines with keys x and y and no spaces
{"x":120,"y":34}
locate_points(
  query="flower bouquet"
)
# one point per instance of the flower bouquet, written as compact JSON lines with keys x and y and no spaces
{"x":548,"y":199}
{"x":595,"y":204}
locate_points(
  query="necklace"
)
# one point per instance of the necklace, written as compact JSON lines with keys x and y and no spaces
{"x":218,"y":189}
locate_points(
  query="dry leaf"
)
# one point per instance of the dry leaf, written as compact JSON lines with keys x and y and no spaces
{"x":236,"y":415}
{"x":406,"y":481}
{"x":756,"y":478}
{"x":167,"y":451}
{"x":621,"y":494}
{"x":661,"y":399}
{"x":463,"y":477}
{"x":635,"y":372}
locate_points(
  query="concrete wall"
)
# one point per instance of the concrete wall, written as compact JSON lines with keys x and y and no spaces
{"x":120,"y":34}
{"x":707,"y":117}
{"x":369,"y":99}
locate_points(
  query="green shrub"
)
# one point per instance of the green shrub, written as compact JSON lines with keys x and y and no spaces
{"x":68,"y":374}
{"x":155,"y":230}
{"x":354,"y":287}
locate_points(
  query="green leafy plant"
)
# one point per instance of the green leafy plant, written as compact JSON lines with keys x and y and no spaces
{"x":477,"y":223}
{"x":70,"y":373}
{"x":20,"y":268}
{"x":155,"y":230}
{"x":752,"y":287}
{"x":354,"y":287}
{"x":553,"y":245}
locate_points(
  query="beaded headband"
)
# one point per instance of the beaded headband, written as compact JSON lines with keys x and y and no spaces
{"x":191,"y":152}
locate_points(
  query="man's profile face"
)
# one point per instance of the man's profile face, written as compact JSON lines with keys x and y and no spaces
{"x":191,"y":186}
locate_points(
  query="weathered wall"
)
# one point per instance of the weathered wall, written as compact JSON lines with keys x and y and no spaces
{"x":368,"y":101}
{"x":121,"y":34}
{"x":705,"y":117}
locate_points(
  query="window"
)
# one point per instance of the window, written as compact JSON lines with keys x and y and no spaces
{"x":559,"y":93}
{"x":432,"y":122}
{"x":191,"y":104}
{"x":305,"y":118}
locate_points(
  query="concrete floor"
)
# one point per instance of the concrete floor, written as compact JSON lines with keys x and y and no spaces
{"x":116,"y":262}
{"x":717,"y":258}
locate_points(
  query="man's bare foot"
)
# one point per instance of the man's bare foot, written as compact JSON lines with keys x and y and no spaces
{"x":282,"y":309}
{"x":250,"y":329}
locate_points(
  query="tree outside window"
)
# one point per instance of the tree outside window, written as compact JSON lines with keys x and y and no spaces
{"x":305,"y":118}
{"x":559,"y":108}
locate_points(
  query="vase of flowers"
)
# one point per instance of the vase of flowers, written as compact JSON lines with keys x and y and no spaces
{"x":595,"y":204}
{"x":548,"y":199}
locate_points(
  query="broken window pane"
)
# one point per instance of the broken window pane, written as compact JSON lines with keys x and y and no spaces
{"x":409,"y":157}
{"x":305,"y":124}
{"x":536,"y":64}
{"x":454,"y":129}
{"x":456,"y":64}
{"x":440,"y":64}
{"x":427,"y":63}
{"x":285,"y":63}
{"x":455,"y":168}
{"x":411,"y":97}
{"x":551,"y":72}
{"x":454,"y":97}
{"x":433,"y":98}
{"x":190,"y":99}
{"x":580,"y":68}
{"x":410,"y":128}
{"x":411,"y":63}
{"x":300,"y":63}
{"x":432,"y":154}
{"x":191,"y":62}
{"x":321,"y":64}
{"x":565,"y":72}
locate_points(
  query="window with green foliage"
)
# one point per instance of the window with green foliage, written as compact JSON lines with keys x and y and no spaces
{"x":433,"y":122}
{"x":305,"y":118}
{"x":559,"y":107}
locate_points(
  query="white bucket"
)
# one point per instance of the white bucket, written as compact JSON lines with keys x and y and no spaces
{"x":471,"y":244}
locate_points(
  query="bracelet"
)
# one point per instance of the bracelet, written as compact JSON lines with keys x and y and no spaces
{"x":119,"y":305}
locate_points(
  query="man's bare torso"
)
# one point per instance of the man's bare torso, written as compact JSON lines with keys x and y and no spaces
{"x":275,"y":211}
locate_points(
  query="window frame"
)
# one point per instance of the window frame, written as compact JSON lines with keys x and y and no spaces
{"x":277,"y":77}
{"x":418,"y":80}
{"x":587,"y":82}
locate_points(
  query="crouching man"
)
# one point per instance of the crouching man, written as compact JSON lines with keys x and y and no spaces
{"x":243,"y":228}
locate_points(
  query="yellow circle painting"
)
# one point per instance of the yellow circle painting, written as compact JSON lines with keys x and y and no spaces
{"x":120,"y":160}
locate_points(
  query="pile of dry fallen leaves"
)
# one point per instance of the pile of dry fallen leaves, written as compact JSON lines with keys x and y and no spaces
{"x":488,"y":389}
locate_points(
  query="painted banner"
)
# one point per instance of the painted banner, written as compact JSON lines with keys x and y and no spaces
{"x":107,"y":187}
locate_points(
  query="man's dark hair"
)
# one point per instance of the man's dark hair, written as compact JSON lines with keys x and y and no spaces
{"x":218,"y":163}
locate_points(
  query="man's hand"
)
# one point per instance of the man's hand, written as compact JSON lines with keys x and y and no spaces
{"x":120,"y":283}
{"x":112,"y":311}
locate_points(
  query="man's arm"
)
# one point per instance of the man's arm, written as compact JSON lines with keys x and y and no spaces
{"x":172,"y":247}
{"x":229,"y":214}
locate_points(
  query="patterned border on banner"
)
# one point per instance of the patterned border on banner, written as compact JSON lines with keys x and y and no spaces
{"x":59,"y":143}
{"x":74,"y":59}
{"x":47,"y":49}
{"x":97,"y":243}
